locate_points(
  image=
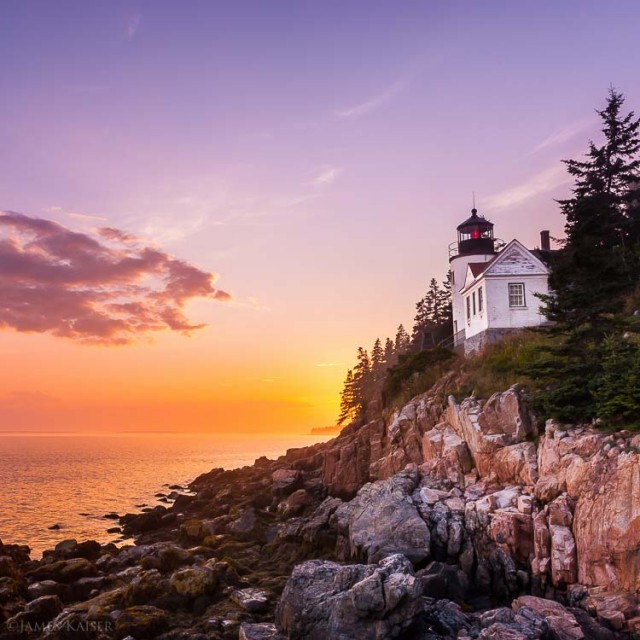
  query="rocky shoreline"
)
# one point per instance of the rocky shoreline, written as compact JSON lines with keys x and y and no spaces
{"x":443,"y":520}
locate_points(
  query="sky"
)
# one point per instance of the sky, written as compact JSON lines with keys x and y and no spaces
{"x":210,"y":205}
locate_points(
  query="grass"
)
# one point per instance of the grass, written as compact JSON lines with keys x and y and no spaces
{"x":502,"y":365}
{"x":415,"y":374}
{"x":497,"y":368}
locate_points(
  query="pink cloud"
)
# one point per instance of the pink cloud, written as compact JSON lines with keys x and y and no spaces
{"x":78,"y":286}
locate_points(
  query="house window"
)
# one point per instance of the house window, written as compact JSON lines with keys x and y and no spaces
{"x":480,"y":300}
{"x":516,"y":294}
{"x":474,"y":303}
{"x":468,"y":308}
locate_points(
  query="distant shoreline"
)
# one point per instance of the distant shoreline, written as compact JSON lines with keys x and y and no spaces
{"x":325,"y":431}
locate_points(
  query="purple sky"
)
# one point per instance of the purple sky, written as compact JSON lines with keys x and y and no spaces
{"x":316,"y":155}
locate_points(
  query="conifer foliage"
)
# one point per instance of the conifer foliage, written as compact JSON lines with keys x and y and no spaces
{"x":593,"y":277}
{"x":367,"y":377}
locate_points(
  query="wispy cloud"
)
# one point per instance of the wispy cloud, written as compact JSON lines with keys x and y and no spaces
{"x":325,"y":176}
{"x":133,"y":24}
{"x":75,"y":214}
{"x":565,"y":134}
{"x":542,"y":182}
{"x":372,"y":103}
{"x":106,"y":287}
{"x":330,"y":364}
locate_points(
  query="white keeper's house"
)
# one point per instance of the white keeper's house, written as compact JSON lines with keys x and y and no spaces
{"x":494,"y":285}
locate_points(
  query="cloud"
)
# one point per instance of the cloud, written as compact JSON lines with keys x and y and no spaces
{"x":330,"y":364}
{"x":85,"y":216}
{"x":564,"y":135}
{"x":74,"y":214}
{"x":108,"y":287}
{"x":372,"y":103}
{"x":325,"y":176}
{"x":133,"y":24}
{"x":541,"y":182}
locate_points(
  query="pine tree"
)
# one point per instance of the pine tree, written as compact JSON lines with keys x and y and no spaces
{"x":403,"y":341}
{"x":347,"y":403}
{"x":389,"y":353}
{"x":433,"y":315}
{"x":444,"y":305}
{"x":595,"y":269}
{"x":426,"y":315}
{"x":617,"y":389}
{"x":593,"y":275}
{"x":362,"y":381}
{"x":377,"y":361}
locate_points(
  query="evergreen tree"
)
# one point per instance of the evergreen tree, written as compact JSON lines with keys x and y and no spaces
{"x":377,"y":361}
{"x":426,"y":315}
{"x":593,"y":275}
{"x":595,"y":269}
{"x":444,"y":305}
{"x":347,"y":399}
{"x":403,"y":341}
{"x":433,"y":315}
{"x":617,"y":389}
{"x":362,"y":381}
{"x":389,"y":353}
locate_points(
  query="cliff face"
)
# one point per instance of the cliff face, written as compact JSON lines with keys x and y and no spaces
{"x":553,"y":512}
{"x":396,"y":528}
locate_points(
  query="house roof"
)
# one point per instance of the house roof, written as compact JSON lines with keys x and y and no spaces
{"x":479,"y":270}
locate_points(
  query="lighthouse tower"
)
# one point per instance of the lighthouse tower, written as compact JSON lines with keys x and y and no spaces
{"x":475,"y":244}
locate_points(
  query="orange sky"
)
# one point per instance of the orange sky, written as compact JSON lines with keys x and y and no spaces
{"x":317,"y":156}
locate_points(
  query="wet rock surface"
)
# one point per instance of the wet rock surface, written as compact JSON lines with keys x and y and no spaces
{"x":445,"y":520}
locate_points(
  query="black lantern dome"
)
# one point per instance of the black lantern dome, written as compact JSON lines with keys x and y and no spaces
{"x":475,"y":235}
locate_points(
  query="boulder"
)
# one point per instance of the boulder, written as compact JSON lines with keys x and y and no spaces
{"x":65,"y":571}
{"x":264,"y":631}
{"x":141,"y":622}
{"x":286,"y":481}
{"x":382,"y":520}
{"x":193,"y":582}
{"x":251,"y":600}
{"x":324,"y":599}
{"x":41,"y":610}
{"x":347,"y":460}
{"x":562,"y":622}
{"x":295,"y":503}
{"x":245,"y":524}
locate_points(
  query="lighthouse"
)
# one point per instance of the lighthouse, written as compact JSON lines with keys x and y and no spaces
{"x":475,"y":245}
{"x":496,"y":289}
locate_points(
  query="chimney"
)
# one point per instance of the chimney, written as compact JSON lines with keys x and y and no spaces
{"x":545,"y":242}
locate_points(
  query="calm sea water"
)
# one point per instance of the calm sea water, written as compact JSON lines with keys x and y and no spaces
{"x":74,"y":480}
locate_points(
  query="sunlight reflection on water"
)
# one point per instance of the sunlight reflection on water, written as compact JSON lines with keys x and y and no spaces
{"x":74,"y":480}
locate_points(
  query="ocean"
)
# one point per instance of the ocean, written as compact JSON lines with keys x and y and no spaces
{"x":72,"y":481}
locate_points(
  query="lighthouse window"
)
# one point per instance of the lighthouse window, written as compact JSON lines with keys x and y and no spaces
{"x":468,"y":307}
{"x":516,"y":294}
{"x":474,"y":303}
{"x":480,"y":300}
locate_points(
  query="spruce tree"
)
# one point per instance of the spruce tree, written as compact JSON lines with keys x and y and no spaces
{"x":444,"y":305}
{"x":426,"y":318}
{"x":595,"y":269}
{"x":347,"y":402}
{"x":593,"y":275}
{"x":403,"y":341}
{"x":377,"y":361}
{"x":362,"y":381}
{"x":389,"y":353}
